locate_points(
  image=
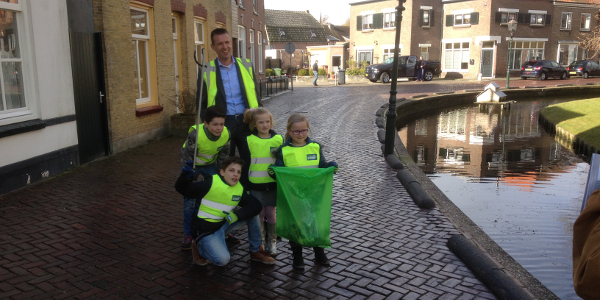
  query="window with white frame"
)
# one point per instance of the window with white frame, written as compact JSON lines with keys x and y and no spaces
{"x":13,"y":102}
{"x":260,"y":51}
{"x":506,"y":17}
{"x":536,"y":19}
{"x":389,"y":20}
{"x":426,"y":17}
{"x":255,"y":5}
{"x":565,"y":20}
{"x":388,"y":53}
{"x":242,"y":41}
{"x":140,"y":34}
{"x":199,"y":38}
{"x":462,"y":19}
{"x":241,"y":3}
{"x":586,"y":19}
{"x":367,"y":22}
{"x":425,"y":53}
{"x":456,"y":56}
{"x":523,"y":51}
{"x":251,"y":54}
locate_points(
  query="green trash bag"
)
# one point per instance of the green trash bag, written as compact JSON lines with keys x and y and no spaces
{"x":304,"y":205}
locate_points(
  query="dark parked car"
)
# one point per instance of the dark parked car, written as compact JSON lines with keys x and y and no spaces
{"x":584,"y":68}
{"x":407,"y":67}
{"x":543,"y":69}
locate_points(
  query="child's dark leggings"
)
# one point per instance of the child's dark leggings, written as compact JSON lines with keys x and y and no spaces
{"x":296,"y":246}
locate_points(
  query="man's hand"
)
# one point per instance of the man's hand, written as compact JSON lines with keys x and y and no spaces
{"x":188,"y":170}
{"x":271,"y":171}
{"x":334,"y":164}
{"x":231,"y":217}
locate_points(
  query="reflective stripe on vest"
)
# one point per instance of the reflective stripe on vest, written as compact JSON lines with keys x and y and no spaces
{"x":210,"y":77}
{"x":261,"y":157}
{"x":207,"y":149}
{"x":221,"y":197}
{"x":307,"y":156}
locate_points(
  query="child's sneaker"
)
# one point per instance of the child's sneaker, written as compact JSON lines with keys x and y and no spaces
{"x":187,"y":243}
{"x":262,"y":256}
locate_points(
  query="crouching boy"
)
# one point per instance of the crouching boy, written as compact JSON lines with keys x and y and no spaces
{"x":218,"y":216}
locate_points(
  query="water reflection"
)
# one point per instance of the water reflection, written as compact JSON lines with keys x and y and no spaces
{"x":513,"y":179}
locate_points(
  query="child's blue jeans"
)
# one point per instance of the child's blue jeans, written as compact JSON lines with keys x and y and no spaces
{"x":214,"y":248}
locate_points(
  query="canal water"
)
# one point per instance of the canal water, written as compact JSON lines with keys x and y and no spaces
{"x":513,"y":179}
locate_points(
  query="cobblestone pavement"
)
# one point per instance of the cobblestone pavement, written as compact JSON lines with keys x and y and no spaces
{"x":112,"y":228}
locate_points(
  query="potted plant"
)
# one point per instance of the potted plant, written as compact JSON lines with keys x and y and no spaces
{"x":186,"y":105}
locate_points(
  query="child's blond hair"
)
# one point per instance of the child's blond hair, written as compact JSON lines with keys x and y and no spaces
{"x":295,"y":118}
{"x":250,"y":116}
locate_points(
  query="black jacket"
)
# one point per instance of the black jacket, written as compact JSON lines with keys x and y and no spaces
{"x":220,"y":98}
{"x":250,"y":206}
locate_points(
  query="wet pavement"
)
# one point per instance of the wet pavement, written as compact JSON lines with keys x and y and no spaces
{"x":112,"y":228}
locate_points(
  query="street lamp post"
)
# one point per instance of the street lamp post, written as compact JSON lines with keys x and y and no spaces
{"x":512,"y":27}
{"x":390,"y":126}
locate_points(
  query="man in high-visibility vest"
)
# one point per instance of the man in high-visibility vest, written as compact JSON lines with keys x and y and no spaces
{"x":230,"y":83}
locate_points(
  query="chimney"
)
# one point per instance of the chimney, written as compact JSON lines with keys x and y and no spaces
{"x":307,"y":11}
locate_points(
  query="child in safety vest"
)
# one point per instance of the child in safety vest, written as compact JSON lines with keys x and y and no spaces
{"x":299,"y":150}
{"x":257,"y":153}
{"x":213,"y":149}
{"x":217,"y":215}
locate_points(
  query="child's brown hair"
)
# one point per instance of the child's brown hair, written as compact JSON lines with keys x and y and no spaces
{"x":295,"y":118}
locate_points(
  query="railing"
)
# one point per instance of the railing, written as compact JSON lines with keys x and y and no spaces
{"x":273,"y":85}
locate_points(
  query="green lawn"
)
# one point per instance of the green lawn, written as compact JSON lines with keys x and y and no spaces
{"x":581,"y":118}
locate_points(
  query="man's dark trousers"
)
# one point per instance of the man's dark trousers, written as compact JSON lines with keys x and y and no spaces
{"x":237,"y":129}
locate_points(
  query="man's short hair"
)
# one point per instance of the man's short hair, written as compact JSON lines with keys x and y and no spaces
{"x":217,"y":31}
{"x":213,"y":112}
{"x":231,"y":160}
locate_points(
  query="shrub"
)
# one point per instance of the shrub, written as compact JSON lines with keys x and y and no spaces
{"x":364,"y":64}
{"x":269,"y":72}
{"x":186,"y":103}
{"x":322,"y":72}
{"x":356,"y":72}
{"x":303,"y":72}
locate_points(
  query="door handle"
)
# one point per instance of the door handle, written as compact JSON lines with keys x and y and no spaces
{"x":101,"y":96}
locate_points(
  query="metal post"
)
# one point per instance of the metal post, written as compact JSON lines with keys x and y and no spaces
{"x":508,"y":63}
{"x":390,"y":127}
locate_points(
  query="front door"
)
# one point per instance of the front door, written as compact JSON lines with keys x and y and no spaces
{"x":88,"y":87}
{"x":486,"y":62}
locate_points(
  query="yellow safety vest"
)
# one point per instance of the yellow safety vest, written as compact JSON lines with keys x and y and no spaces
{"x":210,"y":78}
{"x":261,"y":157}
{"x":207,"y":149}
{"x":307,"y":156}
{"x":221,"y":197}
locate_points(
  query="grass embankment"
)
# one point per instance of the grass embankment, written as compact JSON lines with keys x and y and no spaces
{"x":580,"y":118}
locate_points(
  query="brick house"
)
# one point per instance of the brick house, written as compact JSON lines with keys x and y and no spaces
{"x":472,"y":39}
{"x":337,"y":34}
{"x":250,"y":40}
{"x":156,"y":39}
{"x":298,"y":27}
{"x":373,"y":30}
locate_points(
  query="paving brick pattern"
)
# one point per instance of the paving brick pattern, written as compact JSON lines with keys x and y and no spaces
{"x":111,"y":228}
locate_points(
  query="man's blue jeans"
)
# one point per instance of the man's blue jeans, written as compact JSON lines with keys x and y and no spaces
{"x":316,"y":77}
{"x":214,"y":248}
{"x":190,"y":205}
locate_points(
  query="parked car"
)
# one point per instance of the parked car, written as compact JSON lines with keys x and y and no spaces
{"x":543,"y":69}
{"x":407,"y":67}
{"x":584,"y":68}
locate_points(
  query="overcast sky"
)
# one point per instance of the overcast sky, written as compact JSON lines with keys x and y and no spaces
{"x":337,"y":10}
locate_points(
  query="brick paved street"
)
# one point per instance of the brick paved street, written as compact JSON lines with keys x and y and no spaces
{"x":112,"y":228}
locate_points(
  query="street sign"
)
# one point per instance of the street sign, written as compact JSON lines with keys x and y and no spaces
{"x":290,"y":47}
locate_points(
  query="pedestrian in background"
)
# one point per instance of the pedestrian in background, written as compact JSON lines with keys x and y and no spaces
{"x":420,"y":68}
{"x":300,"y":151}
{"x":257,"y":155}
{"x":316,"y":72}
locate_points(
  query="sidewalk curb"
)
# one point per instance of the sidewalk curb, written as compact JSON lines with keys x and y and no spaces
{"x":486,"y":270}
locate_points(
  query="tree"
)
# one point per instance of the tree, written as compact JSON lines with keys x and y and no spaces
{"x":347,"y":23}
{"x":324,"y":19}
{"x":591,"y":40}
